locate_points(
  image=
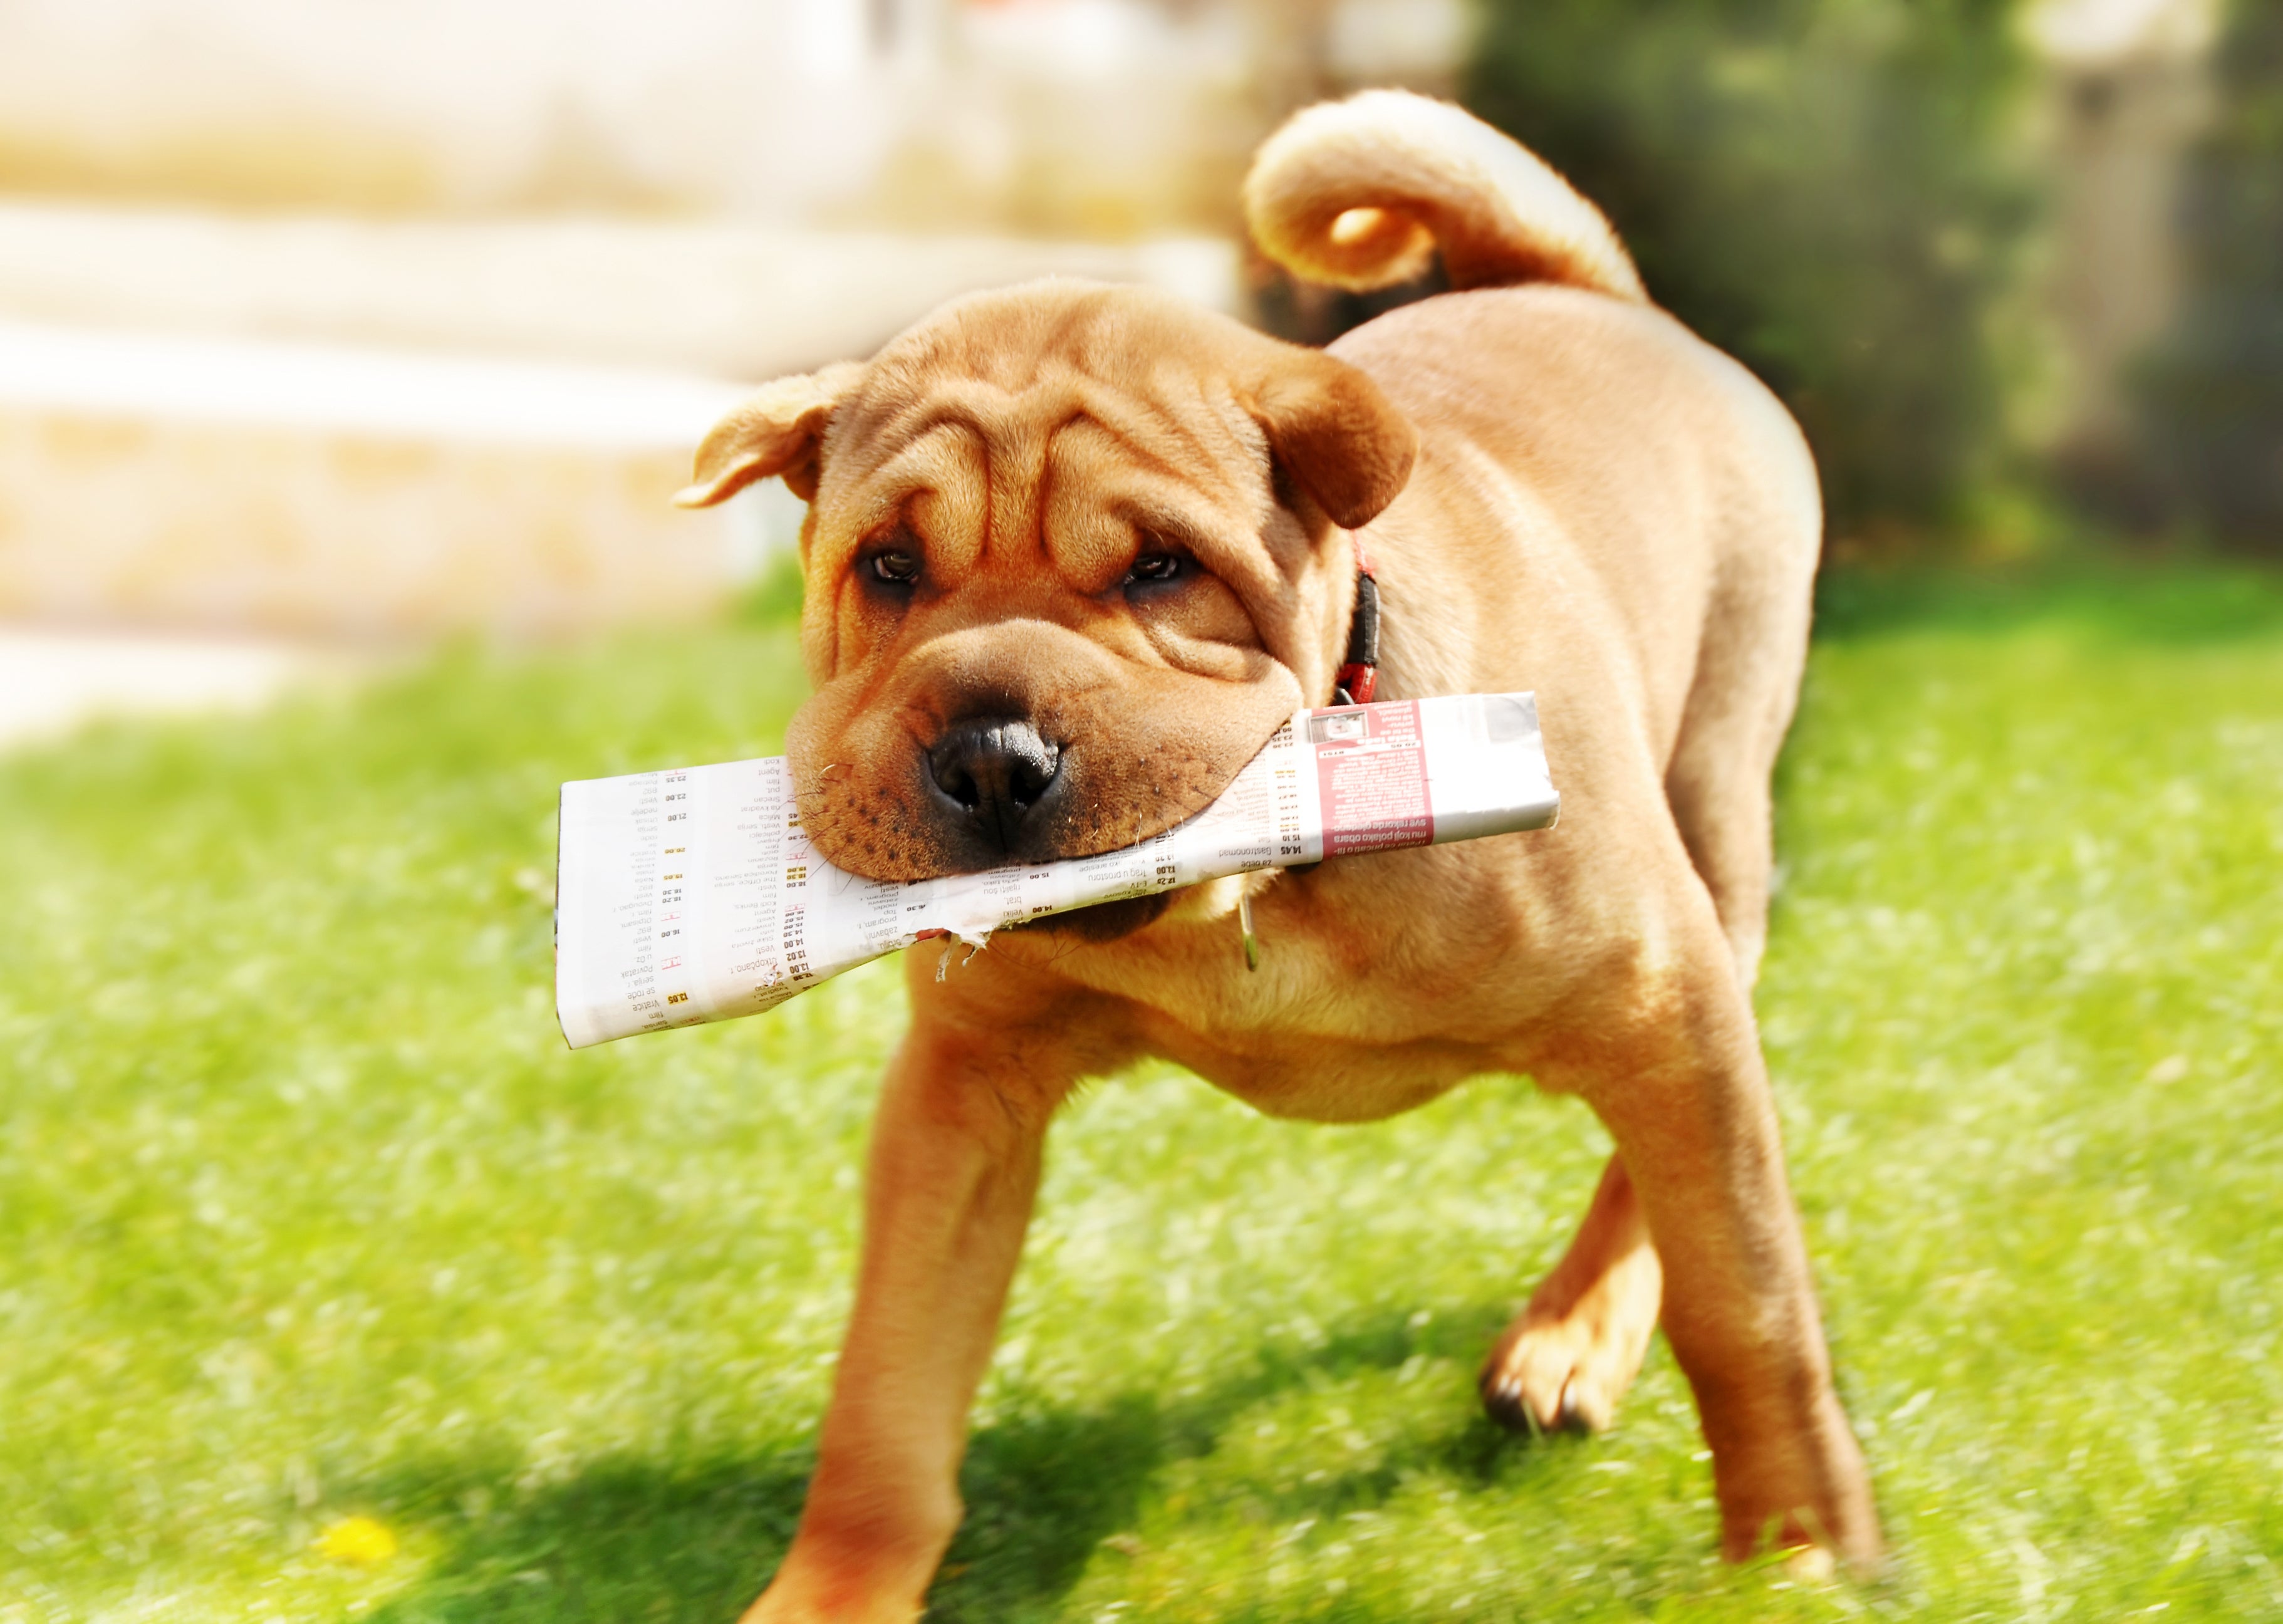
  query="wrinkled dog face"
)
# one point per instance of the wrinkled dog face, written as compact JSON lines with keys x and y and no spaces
{"x":1070,"y":559}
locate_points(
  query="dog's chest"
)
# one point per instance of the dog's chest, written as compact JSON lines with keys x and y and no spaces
{"x":1371,"y":994}
{"x":1328,"y":1080}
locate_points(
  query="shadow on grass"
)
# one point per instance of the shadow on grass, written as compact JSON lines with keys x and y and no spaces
{"x":692,"y":1543}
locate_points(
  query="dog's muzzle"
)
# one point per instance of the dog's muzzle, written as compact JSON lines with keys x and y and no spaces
{"x":990,"y":772}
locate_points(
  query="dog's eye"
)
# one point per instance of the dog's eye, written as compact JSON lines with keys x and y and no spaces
{"x":895,"y":567}
{"x":1153,"y":568}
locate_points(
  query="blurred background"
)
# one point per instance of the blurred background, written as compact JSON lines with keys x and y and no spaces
{"x":355,"y":323}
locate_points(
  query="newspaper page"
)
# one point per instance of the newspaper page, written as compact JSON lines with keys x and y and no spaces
{"x":692,"y":894}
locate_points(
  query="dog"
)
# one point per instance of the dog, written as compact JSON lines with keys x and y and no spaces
{"x":1073,"y":552}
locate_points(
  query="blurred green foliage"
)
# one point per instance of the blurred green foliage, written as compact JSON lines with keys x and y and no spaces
{"x":773,"y":597}
{"x":1828,"y":190}
{"x":2211,"y":397}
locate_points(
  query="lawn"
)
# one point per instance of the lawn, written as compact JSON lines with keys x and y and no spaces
{"x":306,"y":1215}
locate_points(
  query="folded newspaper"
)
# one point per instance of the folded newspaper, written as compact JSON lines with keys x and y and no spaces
{"x":693,"y":894}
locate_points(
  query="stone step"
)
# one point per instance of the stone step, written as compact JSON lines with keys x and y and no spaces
{"x":339,"y":429}
{"x":318,"y":489}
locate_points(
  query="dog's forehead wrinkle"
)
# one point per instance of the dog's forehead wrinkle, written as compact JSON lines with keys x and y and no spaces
{"x":1105,"y":418}
{"x":1171,"y":423}
{"x":933,"y":468}
{"x":1055,"y":335}
{"x":1008,"y":339}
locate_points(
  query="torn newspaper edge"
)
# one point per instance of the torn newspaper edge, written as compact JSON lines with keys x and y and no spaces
{"x":693,"y":895}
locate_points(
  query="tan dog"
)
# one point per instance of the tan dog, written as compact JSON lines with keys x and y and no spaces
{"x":1073,"y":553}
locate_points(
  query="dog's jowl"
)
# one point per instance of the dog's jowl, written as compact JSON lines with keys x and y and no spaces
{"x":1073,"y":552}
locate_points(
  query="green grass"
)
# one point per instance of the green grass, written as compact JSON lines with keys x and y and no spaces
{"x":305,"y":1212}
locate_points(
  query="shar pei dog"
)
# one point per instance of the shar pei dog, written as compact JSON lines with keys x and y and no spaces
{"x":1073,"y":552}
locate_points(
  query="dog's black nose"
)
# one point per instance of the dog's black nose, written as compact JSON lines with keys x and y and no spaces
{"x":994,"y":769}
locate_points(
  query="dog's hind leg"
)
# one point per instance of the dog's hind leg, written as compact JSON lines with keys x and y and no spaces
{"x":1679,"y":1082}
{"x":1568,"y":1357}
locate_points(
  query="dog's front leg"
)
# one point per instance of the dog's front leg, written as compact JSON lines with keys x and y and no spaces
{"x":953,"y":1171}
{"x":1694,"y":1121}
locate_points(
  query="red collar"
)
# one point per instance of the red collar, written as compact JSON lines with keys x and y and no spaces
{"x":1359,"y":677}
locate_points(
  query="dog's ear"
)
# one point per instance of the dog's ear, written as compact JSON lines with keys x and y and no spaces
{"x":777,"y":431}
{"x":1336,"y":435}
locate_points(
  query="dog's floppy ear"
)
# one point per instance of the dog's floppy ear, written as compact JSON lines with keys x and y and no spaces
{"x":1336,"y":434}
{"x":777,"y":431}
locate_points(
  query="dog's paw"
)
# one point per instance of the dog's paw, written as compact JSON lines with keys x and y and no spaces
{"x":1811,"y":1565}
{"x":1557,"y":1372}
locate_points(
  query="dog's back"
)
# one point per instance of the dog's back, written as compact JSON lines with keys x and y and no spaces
{"x":1663,"y":504}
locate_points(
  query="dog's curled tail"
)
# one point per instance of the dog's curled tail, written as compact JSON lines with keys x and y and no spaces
{"x":1360,"y":193}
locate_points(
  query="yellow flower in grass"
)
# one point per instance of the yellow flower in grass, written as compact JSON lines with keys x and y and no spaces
{"x":361,"y":1542}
